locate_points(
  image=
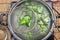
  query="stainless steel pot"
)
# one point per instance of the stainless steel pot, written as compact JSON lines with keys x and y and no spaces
{"x":11,"y":14}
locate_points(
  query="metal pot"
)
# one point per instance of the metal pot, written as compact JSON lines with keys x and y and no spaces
{"x":11,"y":14}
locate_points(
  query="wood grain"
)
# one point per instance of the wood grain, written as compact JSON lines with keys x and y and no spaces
{"x":4,"y":8}
{"x":7,"y":1}
{"x":58,"y":22}
{"x":56,"y":5}
{"x":56,"y":34}
{"x":5,"y":5}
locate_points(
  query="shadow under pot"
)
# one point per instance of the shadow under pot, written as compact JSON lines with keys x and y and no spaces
{"x":31,"y":20}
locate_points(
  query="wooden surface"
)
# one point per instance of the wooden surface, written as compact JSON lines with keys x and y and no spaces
{"x":8,"y":1}
{"x":4,"y":8}
{"x":56,"y":34}
{"x":56,"y":5}
{"x":58,"y":22}
{"x":5,"y":5}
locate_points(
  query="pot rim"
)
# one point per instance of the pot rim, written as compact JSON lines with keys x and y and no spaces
{"x":10,"y":26}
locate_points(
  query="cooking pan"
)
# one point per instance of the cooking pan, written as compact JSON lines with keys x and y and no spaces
{"x":19,"y":31}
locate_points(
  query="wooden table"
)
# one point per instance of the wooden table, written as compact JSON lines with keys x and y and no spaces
{"x":56,"y":34}
{"x":56,"y":5}
{"x":5,"y":5}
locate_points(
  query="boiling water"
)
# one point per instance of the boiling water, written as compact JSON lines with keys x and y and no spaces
{"x":34,"y":31}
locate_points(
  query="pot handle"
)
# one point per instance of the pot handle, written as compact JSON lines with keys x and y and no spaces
{"x":14,"y":3}
{"x":0,"y":18}
{"x":3,"y":19}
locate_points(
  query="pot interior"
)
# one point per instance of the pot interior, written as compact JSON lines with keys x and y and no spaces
{"x":31,"y":20}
